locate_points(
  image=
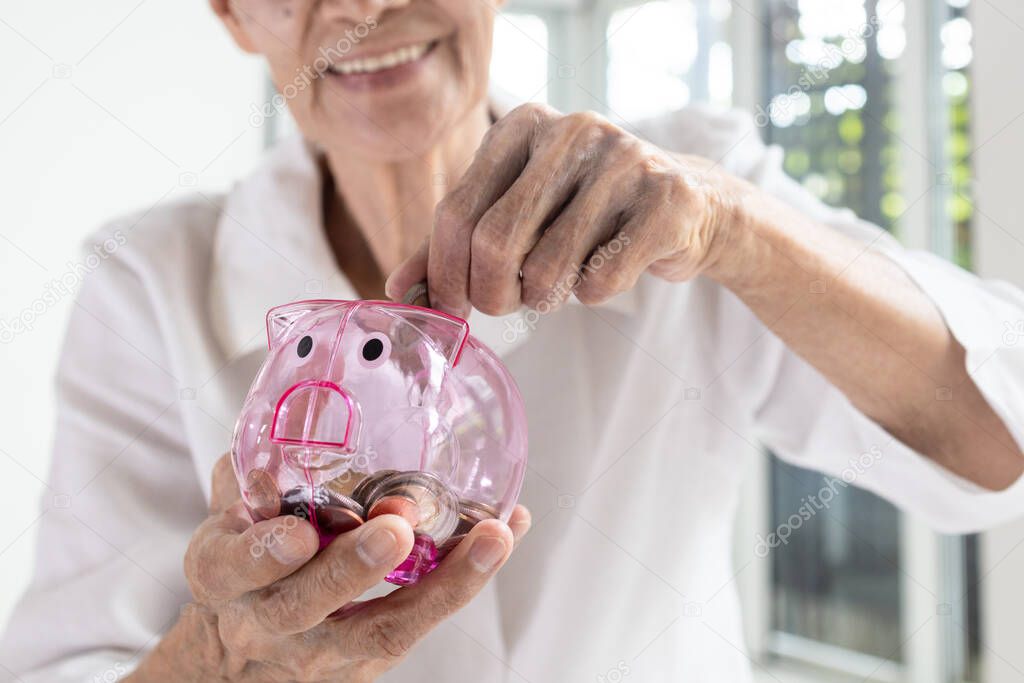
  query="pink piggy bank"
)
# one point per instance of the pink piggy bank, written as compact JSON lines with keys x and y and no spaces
{"x":369,"y":407}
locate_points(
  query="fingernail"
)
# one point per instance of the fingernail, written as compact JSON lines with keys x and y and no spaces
{"x":486,"y":553}
{"x":376,"y":546}
{"x":389,"y":289}
{"x":289,"y":549}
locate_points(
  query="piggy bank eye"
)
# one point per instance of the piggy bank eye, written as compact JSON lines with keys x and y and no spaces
{"x":305,"y":346}
{"x":375,"y":351}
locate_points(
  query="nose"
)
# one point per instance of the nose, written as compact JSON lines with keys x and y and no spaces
{"x":316,"y":413}
{"x":356,"y":11}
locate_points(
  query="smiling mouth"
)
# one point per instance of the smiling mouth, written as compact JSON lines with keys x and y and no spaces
{"x":384,"y":61}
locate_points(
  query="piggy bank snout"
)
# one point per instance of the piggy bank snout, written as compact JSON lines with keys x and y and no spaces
{"x":316,"y":413}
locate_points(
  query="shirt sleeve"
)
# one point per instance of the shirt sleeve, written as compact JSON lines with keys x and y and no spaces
{"x":810,"y":423}
{"x":122,"y":500}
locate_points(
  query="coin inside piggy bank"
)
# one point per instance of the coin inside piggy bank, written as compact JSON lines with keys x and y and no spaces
{"x":364,"y":408}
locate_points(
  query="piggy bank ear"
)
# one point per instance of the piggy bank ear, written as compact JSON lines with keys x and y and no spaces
{"x":280,"y":319}
{"x":446,"y":332}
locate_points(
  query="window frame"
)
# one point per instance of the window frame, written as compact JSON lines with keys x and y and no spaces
{"x":930,"y":564}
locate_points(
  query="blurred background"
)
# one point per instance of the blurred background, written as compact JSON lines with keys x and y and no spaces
{"x":911,"y":113}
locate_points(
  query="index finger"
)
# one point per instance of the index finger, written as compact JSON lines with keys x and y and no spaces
{"x":499,"y":161}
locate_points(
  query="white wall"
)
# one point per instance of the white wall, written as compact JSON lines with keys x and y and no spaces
{"x":104,"y":108}
{"x":998,"y":73}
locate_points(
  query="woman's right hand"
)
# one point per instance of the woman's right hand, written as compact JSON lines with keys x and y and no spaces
{"x":263,"y":596}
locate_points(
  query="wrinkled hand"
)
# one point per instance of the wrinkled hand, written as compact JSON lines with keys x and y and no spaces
{"x":262,"y":600}
{"x":557,"y":204}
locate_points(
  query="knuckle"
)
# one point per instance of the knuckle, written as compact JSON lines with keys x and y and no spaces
{"x":490,"y":242}
{"x":588,"y":119}
{"x":334,"y":578}
{"x":593,"y":139}
{"x":589,"y":295}
{"x":660,"y":178}
{"x":616,"y":280}
{"x":276,"y":613}
{"x":591,"y":127}
{"x":525,"y":119}
{"x":600,"y":286}
{"x":235,"y":631}
{"x":534,"y":112}
{"x":629,"y":150}
{"x":543,"y":279}
{"x":499,"y":137}
{"x":310,"y":667}
{"x":672,"y":271}
{"x":495,"y":259}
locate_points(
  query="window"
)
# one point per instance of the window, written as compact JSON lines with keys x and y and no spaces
{"x":830,"y":92}
{"x":837,"y":579}
{"x":519,"y":63}
{"x":662,"y":55}
{"x":955,"y":53}
{"x":830,"y":71}
{"x":831,"y":79}
{"x":625,"y":58}
{"x":833,"y":88}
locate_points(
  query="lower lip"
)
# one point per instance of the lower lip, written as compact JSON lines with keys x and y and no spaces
{"x":385,"y":78}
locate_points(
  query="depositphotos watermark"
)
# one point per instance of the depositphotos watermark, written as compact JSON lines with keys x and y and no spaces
{"x":59,"y":288}
{"x":564,"y":289}
{"x":1013,"y":332}
{"x":110,"y":675}
{"x":615,"y":674}
{"x":260,"y":544}
{"x":812,"y":505}
{"x":308,"y":73}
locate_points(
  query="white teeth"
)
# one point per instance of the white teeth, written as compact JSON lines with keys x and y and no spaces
{"x":389,"y":60}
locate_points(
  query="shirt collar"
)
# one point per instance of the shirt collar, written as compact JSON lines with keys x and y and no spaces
{"x":270,"y":248}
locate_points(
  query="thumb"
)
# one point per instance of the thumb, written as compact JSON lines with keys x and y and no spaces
{"x":408,"y":273}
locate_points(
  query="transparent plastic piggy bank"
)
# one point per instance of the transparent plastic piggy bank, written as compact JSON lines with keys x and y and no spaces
{"x":364,"y":408}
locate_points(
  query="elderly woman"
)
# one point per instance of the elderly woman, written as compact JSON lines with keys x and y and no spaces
{"x":684,"y":301}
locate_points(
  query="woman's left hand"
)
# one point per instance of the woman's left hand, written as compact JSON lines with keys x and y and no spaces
{"x":559,"y":204}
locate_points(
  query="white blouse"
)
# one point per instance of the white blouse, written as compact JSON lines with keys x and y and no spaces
{"x":644,"y":414}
